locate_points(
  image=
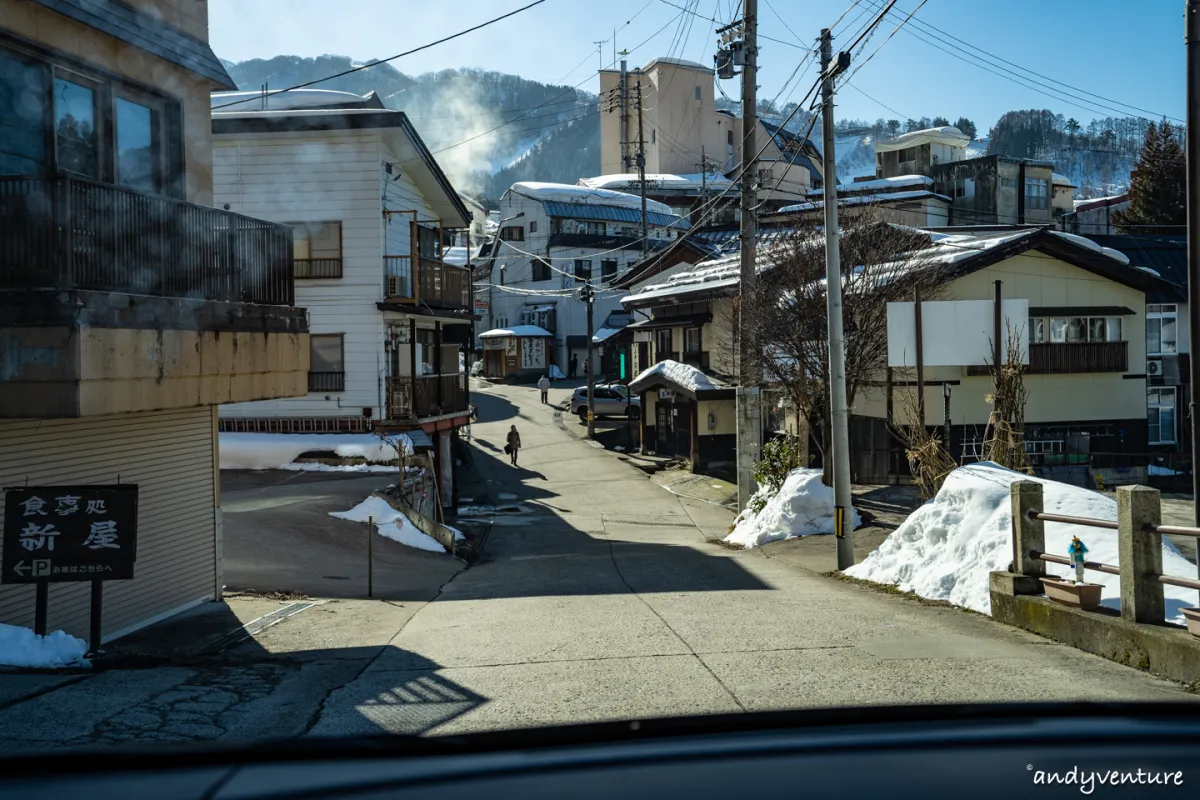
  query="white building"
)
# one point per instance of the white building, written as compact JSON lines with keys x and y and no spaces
{"x":551,"y":238}
{"x":369,"y":208}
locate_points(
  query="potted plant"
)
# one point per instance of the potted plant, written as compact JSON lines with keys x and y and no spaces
{"x":1192,"y":615}
{"x":1078,"y":593}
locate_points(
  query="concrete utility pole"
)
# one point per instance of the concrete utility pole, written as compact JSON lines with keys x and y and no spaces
{"x":843,"y":528}
{"x":1192,"y":143}
{"x":641,"y":165}
{"x":749,"y":395}
{"x":623,"y":91}
{"x":588,"y":295}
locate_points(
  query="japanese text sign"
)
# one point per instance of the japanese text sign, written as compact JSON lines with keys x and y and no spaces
{"x":69,"y":533}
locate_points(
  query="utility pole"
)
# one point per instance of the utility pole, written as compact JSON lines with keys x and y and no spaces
{"x":749,"y":394}
{"x":600,"y":51}
{"x":1192,"y":143}
{"x":588,"y":295}
{"x":843,"y":528}
{"x":623,"y":90}
{"x":641,"y":165}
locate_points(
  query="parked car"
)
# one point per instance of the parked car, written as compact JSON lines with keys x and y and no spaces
{"x":612,"y":400}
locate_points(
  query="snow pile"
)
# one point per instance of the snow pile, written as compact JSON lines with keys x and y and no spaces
{"x":390,"y":523}
{"x":1083,"y":241}
{"x":947,"y":547}
{"x":803,"y":506}
{"x":556,"y":374}
{"x":21,"y":647}
{"x":313,"y":466}
{"x":683,"y":375}
{"x":279,"y":450}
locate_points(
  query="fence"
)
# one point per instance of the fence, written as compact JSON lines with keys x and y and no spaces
{"x":73,"y":233}
{"x":1139,"y":538}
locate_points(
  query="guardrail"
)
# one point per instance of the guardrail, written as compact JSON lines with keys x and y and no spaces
{"x":1139,"y":536}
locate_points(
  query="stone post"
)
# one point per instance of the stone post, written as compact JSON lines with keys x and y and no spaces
{"x":1140,"y":554}
{"x":1028,"y":534}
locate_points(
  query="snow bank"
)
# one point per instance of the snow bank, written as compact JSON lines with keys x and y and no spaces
{"x":556,"y":374}
{"x":390,"y":523}
{"x":21,"y":647}
{"x":947,"y":547}
{"x":306,"y":466}
{"x":803,"y":506}
{"x":279,"y":450}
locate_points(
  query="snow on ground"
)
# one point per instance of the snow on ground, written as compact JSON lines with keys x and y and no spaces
{"x":947,"y":547}
{"x":279,"y":450}
{"x":307,"y":466}
{"x":803,"y":506}
{"x":21,"y":647}
{"x":1155,"y":469}
{"x":390,"y":523}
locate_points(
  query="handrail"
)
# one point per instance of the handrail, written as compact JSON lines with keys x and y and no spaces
{"x":1093,"y":565}
{"x":1176,"y":530}
{"x":1088,"y":521}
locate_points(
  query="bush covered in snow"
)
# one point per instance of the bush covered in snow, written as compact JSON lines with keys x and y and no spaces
{"x":947,"y":547}
{"x":802,"y":506}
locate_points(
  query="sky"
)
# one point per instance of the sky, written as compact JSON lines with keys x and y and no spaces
{"x":1110,"y":53}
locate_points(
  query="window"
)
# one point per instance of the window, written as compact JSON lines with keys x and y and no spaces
{"x":1161,"y":329}
{"x":75,"y":134}
{"x":662,"y":344}
{"x":653,"y":138}
{"x":22,"y":109}
{"x":317,"y":239}
{"x":691,"y":340}
{"x":533,"y":226}
{"x":1008,"y":183}
{"x":138,"y":132}
{"x":1076,"y":329}
{"x":1160,"y":415}
{"x":327,"y":366}
{"x":729,"y":137}
{"x":512,"y":233}
{"x":697,"y":92}
{"x":964,"y":187}
{"x":1035,"y":193}
{"x":608,"y":270}
{"x":541,"y":270}
{"x":593,"y":228}
{"x":428,"y":243}
{"x":583,"y":269}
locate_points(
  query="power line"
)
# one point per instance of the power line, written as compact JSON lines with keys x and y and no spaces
{"x":386,"y":60}
{"x":885,"y":41}
{"x":712,"y":19}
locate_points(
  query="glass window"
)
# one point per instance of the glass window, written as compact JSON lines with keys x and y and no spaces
{"x":1058,"y":329}
{"x":326,"y":353}
{"x":1097,"y":329}
{"x":1077,"y":329}
{"x":1035,"y":193}
{"x":1114,"y":329}
{"x":22,"y":110}
{"x":1037,"y":330}
{"x":608,"y":270}
{"x":583,"y":269}
{"x":317,"y":239}
{"x":138,"y":161}
{"x":697,"y":92}
{"x":1161,"y":329}
{"x":533,"y":226}
{"x":512,"y":233}
{"x":541,"y":270}
{"x":691,"y":340}
{"x":662,"y":344}
{"x":75,"y":128}
{"x":1160,"y":415}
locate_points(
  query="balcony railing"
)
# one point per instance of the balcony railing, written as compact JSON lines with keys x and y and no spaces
{"x":409,"y":399}
{"x":73,"y":233}
{"x":397,"y":276}
{"x":1064,"y":358}
{"x":327,"y":381}
{"x":318,"y":268}
{"x":443,"y":284}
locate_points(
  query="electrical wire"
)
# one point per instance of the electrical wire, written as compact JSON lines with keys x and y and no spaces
{"x":712,"y":19}
{"x":386,"y":60}
{"x":885,"y":41}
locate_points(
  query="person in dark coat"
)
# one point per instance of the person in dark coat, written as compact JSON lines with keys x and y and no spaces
{"x":514,"y":444}
{"x":573,"y":365}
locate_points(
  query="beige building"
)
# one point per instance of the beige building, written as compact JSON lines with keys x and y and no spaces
{"x":135,"y":308}
{"x":682,"y":130}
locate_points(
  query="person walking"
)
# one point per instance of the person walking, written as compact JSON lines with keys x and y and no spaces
{"x":514,"y":444}
{"x":573,"y":365}
{"x":544,"y":387}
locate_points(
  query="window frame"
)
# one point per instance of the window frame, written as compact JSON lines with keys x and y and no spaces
{"x":158,"y":136}
{"x":1050,"y":333}
{"x":1154,"y":411}
{"x":507,"y":229}
{"x":579,"y":269}
{"x":341,"y":339}
{"x":1160,"y":313}
{"x":103,"y":101}
{"x":540,"y":266}
{"x":659,"y":336}
{"x":1038,"y":199}
{"x":609,"y":267}
{"x":699,"y":336}
{"x":533,"y":226}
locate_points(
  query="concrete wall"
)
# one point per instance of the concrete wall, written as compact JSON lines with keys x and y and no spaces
{"x":104,"y":52}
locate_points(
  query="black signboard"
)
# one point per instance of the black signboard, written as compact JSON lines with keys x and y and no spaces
{"x":69,"y":533}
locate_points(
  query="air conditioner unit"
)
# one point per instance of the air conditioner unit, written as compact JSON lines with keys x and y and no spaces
{"x":1154,"y":368}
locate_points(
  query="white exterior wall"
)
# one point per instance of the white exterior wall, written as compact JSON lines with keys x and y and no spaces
{"x":326,"y":176}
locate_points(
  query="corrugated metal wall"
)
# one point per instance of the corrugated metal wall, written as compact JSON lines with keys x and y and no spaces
{"x":169,"y":455}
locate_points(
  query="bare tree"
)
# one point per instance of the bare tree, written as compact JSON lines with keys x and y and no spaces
{"x":1004,"y":438}
{"x":881,"y":263}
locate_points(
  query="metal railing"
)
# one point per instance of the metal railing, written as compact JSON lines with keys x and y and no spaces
{"x":74,"y":233}
{"x":428,"y":396}
{"x":397,"y":276}
{"x":444,"y":285}
{"x":313,"y":268}
{"x":327,"y":381}
{"x":1139,"y":532}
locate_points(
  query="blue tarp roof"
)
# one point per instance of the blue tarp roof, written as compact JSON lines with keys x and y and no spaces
{"x":613,"y":214}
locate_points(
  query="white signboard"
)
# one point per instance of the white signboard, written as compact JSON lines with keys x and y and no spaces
{"x":493,"y":344}
{"x":956,"y":333}
{"x":533,"y":353}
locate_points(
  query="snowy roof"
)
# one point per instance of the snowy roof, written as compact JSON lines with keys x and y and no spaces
{"x":294,"y":99}
{"x":604,"y":333}
{"x":516,"y":330}
{"x":682,"y":376}
{"x":565,"y":193}
{"x":878,"y":184}
{"x":1100,"y":202}
{"x":866,"y":199}
{"x":946,"y":134}
{"x":660,"y":181}
{"x":1062,"y":180}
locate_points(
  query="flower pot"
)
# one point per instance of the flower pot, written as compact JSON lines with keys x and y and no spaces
{"x":1192,"y":615}
{"x":1069,"y":593}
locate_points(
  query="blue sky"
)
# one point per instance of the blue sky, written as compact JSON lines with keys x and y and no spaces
{"x":1127,"y":51}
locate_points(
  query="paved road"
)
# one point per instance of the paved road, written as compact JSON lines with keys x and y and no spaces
{"x":600,"y":596}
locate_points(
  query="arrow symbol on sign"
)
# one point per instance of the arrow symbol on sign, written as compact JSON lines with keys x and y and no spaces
{"x":20,"y":568}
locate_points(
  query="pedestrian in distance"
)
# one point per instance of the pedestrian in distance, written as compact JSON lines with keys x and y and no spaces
{"x":544,"y":387}
{"x":573,"y":365}
{"x":514,"y":444}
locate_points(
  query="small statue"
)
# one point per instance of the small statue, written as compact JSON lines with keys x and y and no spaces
{"x":1078,"y":552}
